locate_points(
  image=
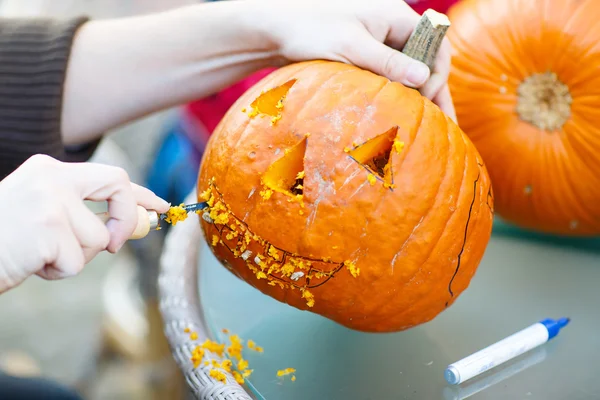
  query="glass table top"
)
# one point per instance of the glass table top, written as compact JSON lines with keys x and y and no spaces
{"x":519,"y":282}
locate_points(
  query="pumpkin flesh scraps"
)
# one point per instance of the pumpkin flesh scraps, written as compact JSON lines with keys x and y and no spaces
{"x":270,"y":103}
{"x":176,"y":214}
{"x":374,"y":155}
{"x":233,"y":362}
{"x":278,"y":267}
{"x":286,"y":174}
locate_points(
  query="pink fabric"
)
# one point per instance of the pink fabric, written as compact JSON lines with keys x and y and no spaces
{"x":438,"y":5}
{"x":207,"y":112}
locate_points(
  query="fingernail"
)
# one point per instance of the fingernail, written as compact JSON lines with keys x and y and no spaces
{"x":417,"y":73}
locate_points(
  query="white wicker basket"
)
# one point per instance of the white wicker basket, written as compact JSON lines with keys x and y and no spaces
{"x":180,"y":308}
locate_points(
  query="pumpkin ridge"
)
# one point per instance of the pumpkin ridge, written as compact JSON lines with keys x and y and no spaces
{"x":412,"y":135}
{"x":583,"y":206}
{"x":457,"y":268}
{"x":442,"y":230}
{"x":316,"y":90}
{"x":471,"y":61}
{"x":432,"y":206}
{"x":514,"y":32}
{"x":462,"y":180}
{"x":506,"y":63}
{"x":465,"y":235}
{"x":405,"y":153}
{"x":237,"y":142}
{"x":358,"y":124}
{"x":582,"y":146}
{"x":303,"y":247}
{"x":565,"y":177}
{"x":434,"y":243}
{"x":406,"y":150}
{"x":482,"y":192}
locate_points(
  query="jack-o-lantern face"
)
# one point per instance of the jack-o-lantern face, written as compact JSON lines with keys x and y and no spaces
{"x":336,"y":191}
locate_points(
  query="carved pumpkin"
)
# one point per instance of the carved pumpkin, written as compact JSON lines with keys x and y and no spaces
{"x":526,"y":90}
{"x":336,"y":191}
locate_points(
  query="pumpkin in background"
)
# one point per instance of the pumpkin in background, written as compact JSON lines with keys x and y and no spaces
{"x":526,"y":87}
{"x":336,"y":191}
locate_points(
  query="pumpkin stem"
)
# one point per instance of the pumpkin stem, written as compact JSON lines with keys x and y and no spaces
{"x":425,"y":41}
{"x":544,"y":101}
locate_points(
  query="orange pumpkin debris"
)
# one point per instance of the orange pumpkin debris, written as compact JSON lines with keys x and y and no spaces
{"x":396,"y":202}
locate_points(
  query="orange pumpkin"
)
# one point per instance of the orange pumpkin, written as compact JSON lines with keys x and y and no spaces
{"x":526,"y":88}
{"x":337,"y":191}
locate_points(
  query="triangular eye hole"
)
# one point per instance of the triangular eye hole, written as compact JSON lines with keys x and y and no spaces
{"x":270,"y":103}
{"x":286,"y":174}
{"x":375,"y":155}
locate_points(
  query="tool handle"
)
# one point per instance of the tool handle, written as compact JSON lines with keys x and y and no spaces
{"x":146,"y":219}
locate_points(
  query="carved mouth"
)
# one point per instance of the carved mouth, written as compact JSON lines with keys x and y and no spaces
{"x":266,"y":261}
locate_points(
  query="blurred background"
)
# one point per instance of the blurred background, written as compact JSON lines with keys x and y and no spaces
{"x":99,"y":332}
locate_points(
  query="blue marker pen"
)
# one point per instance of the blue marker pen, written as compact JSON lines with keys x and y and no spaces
{"x":504,"y":350}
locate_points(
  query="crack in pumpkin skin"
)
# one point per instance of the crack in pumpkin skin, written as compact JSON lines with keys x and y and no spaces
{"x":462,"y":249}
{"x":278,"y":266}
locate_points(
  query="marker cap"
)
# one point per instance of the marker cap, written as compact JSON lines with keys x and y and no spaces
{"x":452,"y":375}
{"x":554,"y":326}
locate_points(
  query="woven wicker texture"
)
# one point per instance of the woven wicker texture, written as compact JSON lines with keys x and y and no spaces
{"x":180,"y":308}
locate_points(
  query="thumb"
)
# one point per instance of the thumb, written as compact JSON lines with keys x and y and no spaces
{"x":368,"y":53}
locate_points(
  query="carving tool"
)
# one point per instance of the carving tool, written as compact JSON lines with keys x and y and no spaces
{"x":149,"y":220}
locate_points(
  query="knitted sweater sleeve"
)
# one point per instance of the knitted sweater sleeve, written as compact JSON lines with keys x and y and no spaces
{"x":34,"y":54}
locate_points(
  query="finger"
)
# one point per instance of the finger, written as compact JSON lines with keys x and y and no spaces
{"x":122,"y":209}
{"x":69,"y":259}
{"x":444,"y":101}
{"x":441,"y":71}
{"x":433,"y":86}
{"x":147,"y":199}
{"x":99,"y":182}
{"x":366,"y":52}
{"x":93,"y":236}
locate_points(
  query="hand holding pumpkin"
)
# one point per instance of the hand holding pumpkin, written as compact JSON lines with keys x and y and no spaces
{"x":369,"y":35}
{"x":48,"y":230}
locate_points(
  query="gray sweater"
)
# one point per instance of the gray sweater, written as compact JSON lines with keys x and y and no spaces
{"x":33,"y":60}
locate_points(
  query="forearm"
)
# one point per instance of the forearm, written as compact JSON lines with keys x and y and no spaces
{"x":123,"y":69}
